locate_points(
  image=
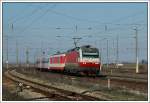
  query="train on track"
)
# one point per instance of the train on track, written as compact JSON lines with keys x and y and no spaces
{"x":79,"y":60}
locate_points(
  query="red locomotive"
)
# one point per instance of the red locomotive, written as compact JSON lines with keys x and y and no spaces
{"x":84,"y":59}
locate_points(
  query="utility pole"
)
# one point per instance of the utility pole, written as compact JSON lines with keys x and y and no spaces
{"x":101,"y":52}
{"x":17,"y":63}
{"x":117,"y":51}
{"x":113,"y":52}
{"x":27,"y":57}
{"x":107,"y":54}
{"x":41,"y":58}
{"x":107,"y":46}
{"x":34,"y":59}
{"x":100,"y":55}
{"x":136,"y":49}
{"x":7,"y":54}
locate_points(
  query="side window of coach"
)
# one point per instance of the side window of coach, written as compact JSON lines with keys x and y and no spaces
{"x":58,"y":59}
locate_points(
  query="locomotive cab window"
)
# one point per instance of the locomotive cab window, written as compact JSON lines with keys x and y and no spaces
{"x":91,"y":55}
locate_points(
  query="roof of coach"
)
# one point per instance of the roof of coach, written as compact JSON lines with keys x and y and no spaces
{"x":58,"y":54}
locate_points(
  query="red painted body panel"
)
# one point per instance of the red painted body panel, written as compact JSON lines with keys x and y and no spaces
{"x":56,"y":61}
{"x":50,"y":60}
{"x":72,"y":57}
{"x":62,"y":59}
{"x":89,"y":64}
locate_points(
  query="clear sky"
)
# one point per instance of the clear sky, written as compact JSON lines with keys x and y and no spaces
{"x":50,"y":27}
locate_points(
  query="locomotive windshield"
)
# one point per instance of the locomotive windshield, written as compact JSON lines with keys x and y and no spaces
{"x":89,"y":52}
{"x":91,"y":55}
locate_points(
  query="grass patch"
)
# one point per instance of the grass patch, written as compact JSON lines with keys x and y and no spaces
{"x":122,"y":95}
{"x":7,"y":96}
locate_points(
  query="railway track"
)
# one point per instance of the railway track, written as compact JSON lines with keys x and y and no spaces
{"x":128,"y":82}
{"x":125,"y":82}
{"x":93,"y":88}
{"x":52,"y":92}
{"x":128,"y":74}
{"x":129,"y":79}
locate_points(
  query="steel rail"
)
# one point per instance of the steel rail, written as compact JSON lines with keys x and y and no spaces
{"x":67,"y":95}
